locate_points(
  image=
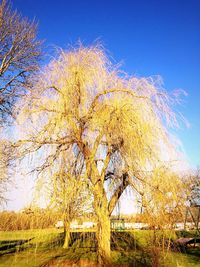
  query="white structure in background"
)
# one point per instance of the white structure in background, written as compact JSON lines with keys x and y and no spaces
{"x":186,"y":226}
{"x":129,"y":225}
{"x":59,"y":224}
{"x":88,"y":224}
{"x":75,"y":225}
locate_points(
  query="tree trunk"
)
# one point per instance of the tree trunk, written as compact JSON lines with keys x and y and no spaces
{"x":103,"y":230}
{"x":103,"y":239}
{"x":67,"y":234}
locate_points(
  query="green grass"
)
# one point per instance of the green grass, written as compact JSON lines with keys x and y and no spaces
{"x":26,"y":234}
{"x":130,"y":248}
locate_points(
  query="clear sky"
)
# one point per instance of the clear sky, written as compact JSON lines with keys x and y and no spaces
{"x":150,"y":37}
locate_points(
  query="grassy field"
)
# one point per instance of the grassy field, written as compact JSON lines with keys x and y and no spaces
{"x":33,"y":248}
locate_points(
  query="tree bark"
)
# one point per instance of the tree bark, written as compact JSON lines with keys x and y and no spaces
{"x":103,"y":227}
{"x":103,"y":239}
{"x":67,"y":234}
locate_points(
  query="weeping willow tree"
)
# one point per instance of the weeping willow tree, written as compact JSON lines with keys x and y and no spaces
{"x":116,"y":123}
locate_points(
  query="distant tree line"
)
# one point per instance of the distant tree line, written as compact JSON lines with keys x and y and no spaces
{"x":11,"y":221}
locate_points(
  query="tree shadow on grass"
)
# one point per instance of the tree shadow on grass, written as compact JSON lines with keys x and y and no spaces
{"x":131,"y":253}
{"x":125,"y":249}
{"x":123,"y":241}
{"x":12,"y":246}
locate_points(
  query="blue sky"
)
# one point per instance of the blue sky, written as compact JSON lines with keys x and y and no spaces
{"x":149,"y":37}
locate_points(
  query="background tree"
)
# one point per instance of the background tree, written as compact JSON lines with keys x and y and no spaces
{"x":192,"y":210}
{"x":20,"y":52}
{"x":117,"y":124}
{"x":164,"y":198}
{"x":19,"y":56}
{"x":194,"y":180}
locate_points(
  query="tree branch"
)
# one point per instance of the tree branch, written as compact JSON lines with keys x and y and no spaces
{"x":118,"y":192}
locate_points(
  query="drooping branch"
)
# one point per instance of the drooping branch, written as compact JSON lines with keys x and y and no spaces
{"x":118,"y":192}
{"x":106,"y":92}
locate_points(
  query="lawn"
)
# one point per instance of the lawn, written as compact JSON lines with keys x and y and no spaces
{"x":34,"y":248}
